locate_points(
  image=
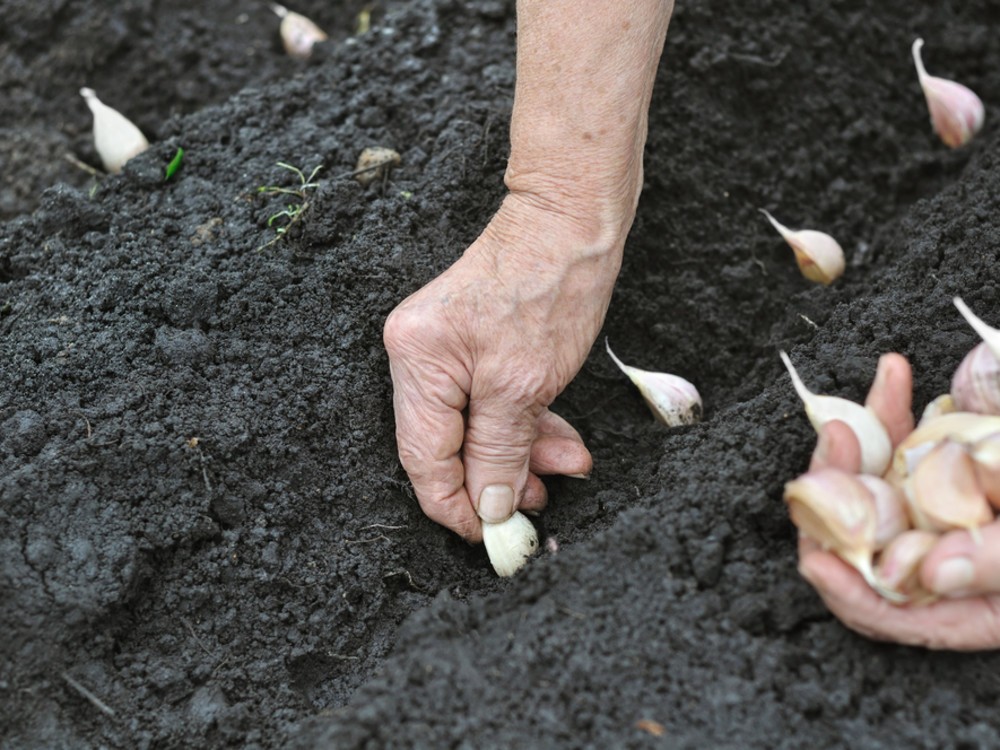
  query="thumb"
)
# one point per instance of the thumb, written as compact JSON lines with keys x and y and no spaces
{"x":960,"y":565}
{"x":496,"y":454}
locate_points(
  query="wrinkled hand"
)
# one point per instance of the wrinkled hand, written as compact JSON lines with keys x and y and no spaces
{"x":478,"y":355}
{"x":966,"y":574}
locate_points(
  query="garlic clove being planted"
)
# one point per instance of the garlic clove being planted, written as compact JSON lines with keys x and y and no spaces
{"x":510,"y":543}
{"x":899,"y":565}
{"x":946,"y":492}
{"x":956,"y":112}
{"x":976,"y":383}
{"x":116,"y":138}
{"x":891,"y":519}
{"x":876,"y":448}
{"x":298,"y":33}
{"x":837,"y":511}
{"x":672,"y":399}
{"x":820,"y":257}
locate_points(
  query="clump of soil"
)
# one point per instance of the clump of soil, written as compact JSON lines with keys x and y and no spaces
{"x":205,"y":537}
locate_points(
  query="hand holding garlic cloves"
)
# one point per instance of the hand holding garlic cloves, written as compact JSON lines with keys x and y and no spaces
{"x":965,"y":575}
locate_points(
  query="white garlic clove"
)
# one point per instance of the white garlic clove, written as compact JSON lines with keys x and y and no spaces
{"x":374,"y":163}
{"x":116,"y":138}
{"x":943,"y":404}
{"x":819,"y":256}
{"x":837,"y":511}
{"x":891,"y":518}
{"x":899,"y":565}
{"x":298,"y":33}
{"x":672,"y":399}
{"x":956,"y":112}
{"x":510,"y":543}
{"x":960,"y":427}
{"x":986,"y":455}
{"x":876,"y":448}
{"x":946,"y":492}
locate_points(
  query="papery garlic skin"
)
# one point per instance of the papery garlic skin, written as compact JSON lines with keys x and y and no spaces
{"x":672,"y":399}
{"x":510,"y":543}
{"x":819,"y":256}
{"x":116,"y":138}
{"x":876,"y":447}
{"x":298,"y":33}
{"x":899,"y":566}
{"x":891,"y":518}
{"x":957,"y":114}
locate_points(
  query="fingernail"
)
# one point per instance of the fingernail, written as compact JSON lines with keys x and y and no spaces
{"x":954,"y":576}
{"x":578,"y":476}
{"x":496,"y":503}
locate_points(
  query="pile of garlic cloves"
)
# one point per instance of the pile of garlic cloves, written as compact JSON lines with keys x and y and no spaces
{"x":944,"y":476}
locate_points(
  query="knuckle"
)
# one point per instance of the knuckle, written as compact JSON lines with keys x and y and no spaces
{"x":401,"y":327}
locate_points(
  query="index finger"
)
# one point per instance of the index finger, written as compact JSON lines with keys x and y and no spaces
{"x":891,"y":396}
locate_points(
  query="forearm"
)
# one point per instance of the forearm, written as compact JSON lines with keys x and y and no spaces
{"x":585,"y":72}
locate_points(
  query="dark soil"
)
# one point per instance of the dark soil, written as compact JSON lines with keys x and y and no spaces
{"x":205,"y":537}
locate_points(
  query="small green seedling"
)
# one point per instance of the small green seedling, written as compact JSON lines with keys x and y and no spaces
{"x":174,"y":164}
{"x":293,"y":212}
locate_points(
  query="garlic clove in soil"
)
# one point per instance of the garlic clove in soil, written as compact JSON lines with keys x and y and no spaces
{"x":374,"y":163}
{"x":298,"y":33}
{"x":899,"y":565}
{"x":946,"y":494}
{"x":819,"y":256}
{"x":510,"y":543}
{"x":672,"y":399}
{"x":960,"y":427}
{"x":891,"y":519}
{"x":837,"y":511}
{"x":876,"y":448}
{"x":976,"y":383}
{"x":116,"y":138}
{"x":956,"y":112}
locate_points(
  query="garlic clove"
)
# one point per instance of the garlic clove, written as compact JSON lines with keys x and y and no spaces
{"x":899,"y":565}
{"x":298,"y":33}
{"x":876,"y":448}
{"x":672,"y":399}
{"x":943,"y":404}
{"x":374,"y":163}
{"x":976,"y":383}
{"x":957,"y":113}
{"x":819,"y":256}
{"x":837,"y":511}
{"x":510,"y":543}
{"x":960,"y":427}
{"x":946,"y":492}
{"x":116,"y":138}
{"x":891,"y":518}
{"x":986,"y":455}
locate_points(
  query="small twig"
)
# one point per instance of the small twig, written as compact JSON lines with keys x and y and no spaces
{"x":808,"y":321}
{"x":342,"y":657}
{"x":83,"y":165}
{"x":98,"y":703}
{"x":190,"y":627}
{"x":382,"y":526}
{"x":89,"y":432}
{"x":368,"y":541}
{"x":403,"y":572}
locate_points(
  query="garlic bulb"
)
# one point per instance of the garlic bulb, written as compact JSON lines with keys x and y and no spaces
{"x":510,"y":543}
{"x":298,"y":33}
{"x":899,"y":566}
{"x":374,"y":163}
{"x":976,"y":383}
{"x":945,"y":492}
{"x":956,"y":112}
{"x":876,"y":448}
{"x":116,"y":138}
{"x":672,"y":399}
{"x":837,"y":511}
{"x":819,"y":256}
{"x":891,"y":519}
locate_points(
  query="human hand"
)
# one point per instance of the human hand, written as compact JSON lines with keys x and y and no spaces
{"x":966,"y":574}
{"x":479,"y":353}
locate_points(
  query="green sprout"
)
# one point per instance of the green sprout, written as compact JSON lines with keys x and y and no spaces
{"x":174,"y":164}
{"x":293,"y":211}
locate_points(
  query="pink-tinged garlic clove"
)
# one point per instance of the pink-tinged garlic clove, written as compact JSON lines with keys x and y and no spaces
{"x":986,"y":455}
{"x":891,"y":518}
{"x":672,"y":399}
{"x":899,"y":565}
{"x":298,"y":33}
{"x":976,"y":383}
{"x":946,"y":491}
{"x":960,"y":427}
{"x":957,"y":114}
{"x":116,"y":138}
{"x":819,"y":256}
